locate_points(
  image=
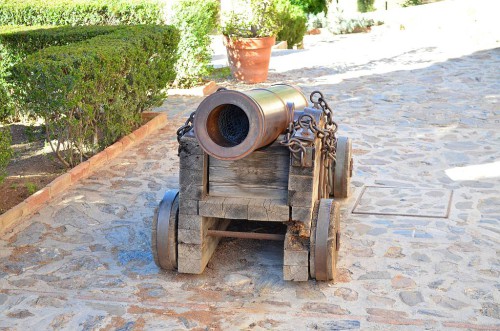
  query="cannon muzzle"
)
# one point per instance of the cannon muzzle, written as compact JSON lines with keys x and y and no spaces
{"x":229,"y":124}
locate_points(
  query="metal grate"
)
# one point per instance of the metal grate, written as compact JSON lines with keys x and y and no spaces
{"x":233,"y":125}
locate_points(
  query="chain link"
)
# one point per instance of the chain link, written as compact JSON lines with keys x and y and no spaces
{"x":188,"y":125}
{"x":327,"y":134}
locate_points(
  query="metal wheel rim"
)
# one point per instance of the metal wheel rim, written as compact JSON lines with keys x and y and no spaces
{"x":164,"y":235}
{"x":342,"y":172}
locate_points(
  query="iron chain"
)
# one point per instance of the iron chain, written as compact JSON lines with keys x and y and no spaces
{"x":327,"y":134}
{"x":188,"y":125}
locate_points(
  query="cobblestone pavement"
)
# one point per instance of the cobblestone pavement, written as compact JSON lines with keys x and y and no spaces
{"x":420,"y":245}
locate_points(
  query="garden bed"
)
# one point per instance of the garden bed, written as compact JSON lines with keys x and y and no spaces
{"x":32,"y":167}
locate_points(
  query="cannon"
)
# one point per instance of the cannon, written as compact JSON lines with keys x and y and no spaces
{"x":263,"y":155}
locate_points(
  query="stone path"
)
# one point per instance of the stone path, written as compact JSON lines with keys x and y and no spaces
{"x":419,"y":114}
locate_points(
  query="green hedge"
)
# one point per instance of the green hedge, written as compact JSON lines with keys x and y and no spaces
{"x":5,"y":151}
{"x":92,"y":92}
{"x":195,"y":19}
{"x":365,"y":6}
{"x":16,"y":43}
{"x":293,"y":21}
{"x":80,"y":12}
{"x":311,"y":6}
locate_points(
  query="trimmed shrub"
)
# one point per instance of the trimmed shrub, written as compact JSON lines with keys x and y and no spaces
{"x":339,"y":23}
{"x":293,"y":21}
{"x":365,"y":6}
{"x":92,"y":92}
{"x":16,"y":43}
{"x":409,"y":3}
{"x":195,"y":19}
{"x":80,"y":12}
{"x":311,"y":6}
{"x":315,"y":21}
{"x":6,"y":152}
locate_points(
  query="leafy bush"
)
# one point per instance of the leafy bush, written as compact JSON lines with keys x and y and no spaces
{"x":315,"y":21}
{"x":257,"y":19}
{"x":292,"y":20}
{"x":311,"y":6}
{"x":80,"y":12}
{"x":409,"y":3}
{"x":338,"y":23}
{"x":195,"y":19}
{"x":91,"y":93}
{"x":16,"y":43}
{"x":365,"y":6}
{"x":5,"y":151}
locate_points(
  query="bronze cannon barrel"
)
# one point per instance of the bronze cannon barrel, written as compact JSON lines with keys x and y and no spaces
{"x":229,"y":124}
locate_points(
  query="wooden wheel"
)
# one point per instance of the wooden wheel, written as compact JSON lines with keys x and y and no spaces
{"x":164,"y":235}
{"x":325,"y":236}
{"x":342,"y":172}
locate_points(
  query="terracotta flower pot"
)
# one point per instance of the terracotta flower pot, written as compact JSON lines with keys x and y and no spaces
{"x":249,"y":57}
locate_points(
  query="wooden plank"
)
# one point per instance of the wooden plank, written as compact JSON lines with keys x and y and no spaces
{"x":189,"y":146}
{"x":190,"y":176}
{"x":293,"y":257}
{"x":212,"y":207}
{"x":193,"y":258}
{"x":241,"y":208}
{"x":301,"y":191}
{"x":270,"y":210}
{"x":191,"y":161}
{"x":302,"y":214}
{"x":189,"y":221}
{"x":235,"y":208}
{"x":262,"y":174}
{"x":300,"y":183}
{"x":188,"y":206}
{"x":297,"y":198}
{"x":191,"y":192}
{"x":296,"y":273}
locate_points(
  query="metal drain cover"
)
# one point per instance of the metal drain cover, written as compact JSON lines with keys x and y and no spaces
{"x":404,"y":201}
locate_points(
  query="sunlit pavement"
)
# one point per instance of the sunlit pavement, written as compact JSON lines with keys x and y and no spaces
{"x":421,"y":231}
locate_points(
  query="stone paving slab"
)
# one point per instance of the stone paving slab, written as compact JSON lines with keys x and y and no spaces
{"x":84,"y":263}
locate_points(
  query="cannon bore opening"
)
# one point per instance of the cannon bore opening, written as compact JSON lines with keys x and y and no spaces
{"x":228,"y":125}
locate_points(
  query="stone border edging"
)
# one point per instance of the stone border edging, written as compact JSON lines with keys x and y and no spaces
{"x":34,"y":202}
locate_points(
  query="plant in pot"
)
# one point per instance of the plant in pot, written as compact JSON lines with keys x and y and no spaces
{"x":249,"y":37}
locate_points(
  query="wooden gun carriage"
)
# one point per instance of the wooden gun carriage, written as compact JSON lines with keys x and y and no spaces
{"x":260,"y":155}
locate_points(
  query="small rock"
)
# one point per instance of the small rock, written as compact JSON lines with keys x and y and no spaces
{"x":431,"y":313}
{"x":325,"y":308}
{"x":388,"y":313}
{"x":377,"y":231}
{"x":23,"y":313}
{"x":346,"y":294}
{"x":375,"y":275}
{"x":475,"y":293}
{"x":399,"y":282}
{"x":383,"y":301}
{"x":342,"y":325}
{"x":236,"y":280}
{"x":420,"y":257}
{"x":411,"y":298}
{"x":490,"y":309}
{"x":448,"y":302}
{"x":435,"y":284}
{"x":446,"y":266}
{"x":343,"y":275}
{"x":394,"y":252}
